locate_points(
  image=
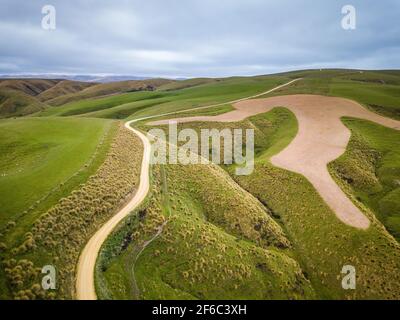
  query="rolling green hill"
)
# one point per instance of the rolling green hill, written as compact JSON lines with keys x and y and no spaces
{"x":17,"y":103}
{"x":370,"y":169}
{"x":376,"y":90}
{"x":210,"y":247}
{"x":164,"y":100}
{"x":104,"y":89}
{"x":62,"y":88}
{"x":20,"y":97}
{"x":43,"y":160}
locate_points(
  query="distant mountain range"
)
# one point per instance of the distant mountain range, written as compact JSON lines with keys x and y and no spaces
{"x":76,"y":77}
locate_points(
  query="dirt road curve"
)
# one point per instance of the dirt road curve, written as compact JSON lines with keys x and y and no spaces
{"x":321,"y":138}
{"x":85,"y":289}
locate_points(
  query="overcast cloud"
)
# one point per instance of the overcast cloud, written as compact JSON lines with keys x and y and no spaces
{"x":196,"y":37}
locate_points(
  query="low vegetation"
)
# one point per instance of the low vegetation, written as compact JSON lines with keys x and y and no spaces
{"x":19,"y":97}
{"x":370,"y":170}
{"x":321,"y":243}
{"x":58,"y":236}
{"x":44,"y":160}
{"x":208,"y":246}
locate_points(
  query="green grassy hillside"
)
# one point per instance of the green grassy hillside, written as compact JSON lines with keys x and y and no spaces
{"x":20,"y":97}
{"x":376,"y":90}
{"x":103,"y":89}
{"x":209,"y":247}
{"x":321,"y":243}
{"x":40,"y":158}
{"x":140,"y":104}
{"x":92,"y":105}
{"x":62,"y":88}
{"x":18,"y":103}
{"x":57,"y":235}
{"x":370,"y":169}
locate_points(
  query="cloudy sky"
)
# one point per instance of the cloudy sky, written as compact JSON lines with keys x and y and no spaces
{"x":184,"y":38}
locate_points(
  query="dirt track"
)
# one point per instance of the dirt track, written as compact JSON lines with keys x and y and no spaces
{"x":321,"y":138}
{"x":85,"y":288}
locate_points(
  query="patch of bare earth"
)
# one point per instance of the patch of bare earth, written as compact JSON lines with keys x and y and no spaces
{"x":321,"y":138}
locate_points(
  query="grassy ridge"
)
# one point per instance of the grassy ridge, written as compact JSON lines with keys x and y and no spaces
{"x":42,"y":161}
{"x":322,"y":244}
{"x":138,"y":104}
{"x":109,"y":88}
{"x":92,"y":105}
{"x":378,"y":91}
{"x":40,"y":154}
{"x":212,"y":93}
{"x":17,"y":103}
{"x":370,"y":168}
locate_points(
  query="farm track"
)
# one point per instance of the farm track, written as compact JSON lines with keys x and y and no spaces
{"x":85,"y":286}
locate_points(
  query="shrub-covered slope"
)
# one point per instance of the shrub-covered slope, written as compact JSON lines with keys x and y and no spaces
{"x":58,"y":236}
{"x":199,"y":237}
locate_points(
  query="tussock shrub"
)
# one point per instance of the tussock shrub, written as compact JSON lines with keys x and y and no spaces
{"x":10,"y":225}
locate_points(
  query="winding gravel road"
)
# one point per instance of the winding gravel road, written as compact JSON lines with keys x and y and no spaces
{"x":85,"y":288}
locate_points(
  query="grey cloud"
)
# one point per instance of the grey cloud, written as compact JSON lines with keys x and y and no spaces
{"x":196,"y":38}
